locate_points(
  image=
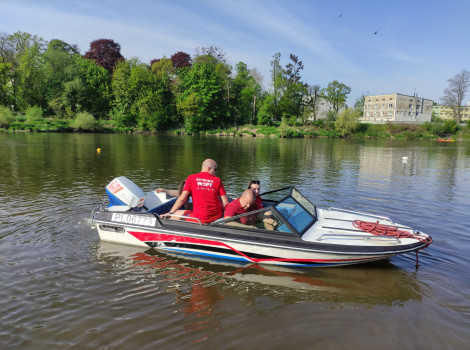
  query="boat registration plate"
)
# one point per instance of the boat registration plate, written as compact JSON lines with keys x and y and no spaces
{"x":134,"y":219}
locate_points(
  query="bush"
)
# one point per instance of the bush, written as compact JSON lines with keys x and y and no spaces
{"x":347,"y":122}
{"x":289,"y":132}
{"x":84,"y":121}
{"x":267,"y":130}
{"x":330,"y":116}
{"x":444,"y":127}
{"x":33,"y":113}
{"x":318,"y":123}
{"x":57,"y":106}
{"x":6,"y":117}
{"x":266,"y":111}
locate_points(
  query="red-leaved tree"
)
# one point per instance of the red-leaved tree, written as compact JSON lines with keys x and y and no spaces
{"x":105,"y":52}
{"x":181,"y":59}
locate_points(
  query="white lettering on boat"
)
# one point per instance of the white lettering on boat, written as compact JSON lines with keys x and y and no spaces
{"x":134,"y":219}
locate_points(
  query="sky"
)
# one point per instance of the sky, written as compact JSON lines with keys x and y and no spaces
{"x":374,"y":47}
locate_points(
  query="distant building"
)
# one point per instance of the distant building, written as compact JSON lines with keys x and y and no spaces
{"x":322,"y":107}
{"x":396,"y":108}
{"x":447,"y":112}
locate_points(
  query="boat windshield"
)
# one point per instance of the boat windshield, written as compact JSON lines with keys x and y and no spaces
{"x":293,"y":214}
{"x":294,"y":210}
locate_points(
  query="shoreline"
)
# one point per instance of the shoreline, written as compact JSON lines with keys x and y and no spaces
{"x":324,"y":130}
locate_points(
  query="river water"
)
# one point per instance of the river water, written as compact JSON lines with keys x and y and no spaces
{"x":61,"y":288}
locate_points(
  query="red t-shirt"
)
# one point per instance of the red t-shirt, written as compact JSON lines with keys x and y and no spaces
{"x":235,"y":208}
{"x":259,"y":202}
{"x":205,"y":190}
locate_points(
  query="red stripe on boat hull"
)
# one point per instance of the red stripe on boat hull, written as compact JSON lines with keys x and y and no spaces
{"x":164,"y":237}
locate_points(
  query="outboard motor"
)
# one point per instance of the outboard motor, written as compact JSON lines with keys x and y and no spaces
{"x":124,"y":195}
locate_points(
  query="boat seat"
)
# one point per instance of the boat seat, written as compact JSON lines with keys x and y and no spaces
{"x":163,"y":208}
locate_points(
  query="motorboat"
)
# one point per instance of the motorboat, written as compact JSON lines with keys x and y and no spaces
{"x":289,"y":230}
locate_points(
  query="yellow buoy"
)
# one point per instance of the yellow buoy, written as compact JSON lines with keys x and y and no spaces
{"x":98,"y":150}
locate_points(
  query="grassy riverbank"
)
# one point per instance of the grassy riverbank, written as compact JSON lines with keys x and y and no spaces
{"x":439,"y":129}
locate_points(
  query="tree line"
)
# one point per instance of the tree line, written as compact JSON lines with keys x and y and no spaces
{"x":193,"y":92}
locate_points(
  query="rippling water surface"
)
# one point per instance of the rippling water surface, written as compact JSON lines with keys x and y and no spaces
{"x":63,"y":288}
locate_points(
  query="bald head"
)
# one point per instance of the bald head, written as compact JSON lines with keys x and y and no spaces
{"x":247,"y":199}
{"x":209,"y":166}
{"x":208,"y":163}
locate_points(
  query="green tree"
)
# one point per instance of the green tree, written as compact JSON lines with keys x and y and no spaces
{"x":7,"y":49}
{"x":346,"y":122}
{"x":359,"y":104}
{"x":245,"y":92}
{"x":277,"y":81}
{"x":23,"y":51}
{"x":266,"y":111}
{"x":29,"y":82}
{"x":96,"y":82}
{"x":142,"y":96}
{"x":62,"y":46}
{"x":154,"y":104}
{"x":122,"y":99}
{"x":18,"y":43}
{"x":163,"y":69}
{"x":336,"y":93}
{"x":190,"y":109}
{"x":202,"y":94}
{"x":6,"y":116}
{"x":292,"y":101}
{"x":58,"y":63}
{"x":6,"y":88}
{"x":86,"y":87}
{"x":73,"y":96}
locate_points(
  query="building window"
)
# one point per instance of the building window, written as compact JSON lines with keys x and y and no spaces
{"x":375,"y":114}
{"x":390,"y":113}
{"x":368,"y":114}
{"x":383,"y":105}
{"x":382,"y":114}
{"x":390,"y":105}
{"x":411,"y":106}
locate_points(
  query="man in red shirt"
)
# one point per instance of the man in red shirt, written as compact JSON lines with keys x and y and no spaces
{"x":242,"y":205}
{"x":205,"y":188}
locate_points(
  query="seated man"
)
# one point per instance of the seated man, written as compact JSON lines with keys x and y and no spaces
{"x":242,"y":205}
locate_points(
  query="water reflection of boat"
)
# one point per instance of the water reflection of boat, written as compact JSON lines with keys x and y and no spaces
{"x":377,"y":283}
{"x":288,"y":231}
